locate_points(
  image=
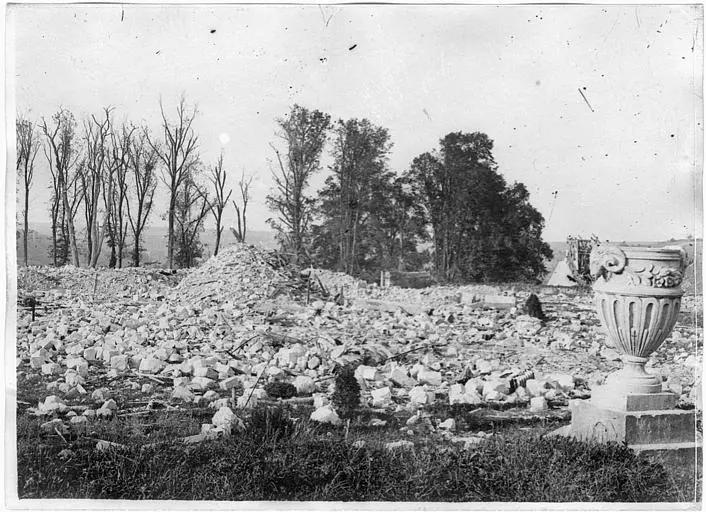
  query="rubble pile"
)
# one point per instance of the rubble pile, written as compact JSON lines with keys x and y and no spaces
{"x":95,"y":284}
{"x":334,"y":282}
{"x":241,"y":274}
{"x":232,"y":328}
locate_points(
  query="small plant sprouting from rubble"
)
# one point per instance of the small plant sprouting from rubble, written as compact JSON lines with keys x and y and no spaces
{"x":280,"y":390}
{"x":533,"y":306}
{"x":346,"y":397}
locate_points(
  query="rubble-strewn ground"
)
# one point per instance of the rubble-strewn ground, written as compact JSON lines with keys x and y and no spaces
{"x":450,"y":364}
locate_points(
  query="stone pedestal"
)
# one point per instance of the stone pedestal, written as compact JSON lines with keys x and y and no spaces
{"x":638,"y":296}
{"x":647,"y":423}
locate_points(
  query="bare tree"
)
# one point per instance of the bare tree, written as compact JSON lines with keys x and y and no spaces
{"x":27,"y":146}
{"x":142,"y":165}
{"x":241,"y":210}
{"x":55,"y":208}
{"x":218,"y":204}
{"x":115,"y":194}
{"x":179,"y":156}
{"x":304,"y":134}
{"x":62,"y":156}
{"x":59,"y":214}
{"x":95,"y":176}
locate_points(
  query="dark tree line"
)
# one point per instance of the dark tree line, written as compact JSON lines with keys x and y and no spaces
{"x":368,"y":218}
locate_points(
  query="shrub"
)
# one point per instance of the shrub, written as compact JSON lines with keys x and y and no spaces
{"x":533,"y":307}
{"x":346,"y":397}
{"x":280,"y":390}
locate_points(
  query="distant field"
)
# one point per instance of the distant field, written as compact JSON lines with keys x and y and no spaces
{"x":155,"y":243}
{"x":154,"y":240}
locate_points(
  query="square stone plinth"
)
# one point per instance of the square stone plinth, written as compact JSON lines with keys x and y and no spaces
{"x":607,"y":398}
{"x":594,"y":422}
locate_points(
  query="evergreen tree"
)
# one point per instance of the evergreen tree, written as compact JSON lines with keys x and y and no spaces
{"x":483,"y":229}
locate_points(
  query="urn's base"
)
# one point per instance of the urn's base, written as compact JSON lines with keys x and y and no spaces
{"x":633,"y":379}
{"x":647,"y":423}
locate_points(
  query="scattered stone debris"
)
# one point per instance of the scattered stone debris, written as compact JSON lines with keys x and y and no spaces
{"x":246,"y":328}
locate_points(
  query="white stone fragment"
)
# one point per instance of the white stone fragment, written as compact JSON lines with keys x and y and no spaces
{"x":381,"y":397}
{"x":151,"y":365}
{"x":537,"y":404}
{"x":429,"y":377}
{"x":449,"y":424}
{"x":305,"y":385}
{"x":325,"y":414}
{"x":227,"y":420}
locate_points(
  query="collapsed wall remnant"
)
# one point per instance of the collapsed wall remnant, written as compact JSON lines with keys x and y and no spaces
{"x":578,"y":256}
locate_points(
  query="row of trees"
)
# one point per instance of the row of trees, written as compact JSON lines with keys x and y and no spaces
{"x":111,"y":171}
{"x":367,"y":217}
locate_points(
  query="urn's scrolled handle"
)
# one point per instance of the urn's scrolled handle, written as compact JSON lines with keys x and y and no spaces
{"x":607,"y":259}
{"x":684,"y":256}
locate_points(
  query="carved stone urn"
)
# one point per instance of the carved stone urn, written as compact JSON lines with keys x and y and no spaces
{"x":637,"y":296}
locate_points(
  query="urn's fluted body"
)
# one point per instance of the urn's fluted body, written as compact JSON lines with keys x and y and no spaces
{"x":638,"y":296}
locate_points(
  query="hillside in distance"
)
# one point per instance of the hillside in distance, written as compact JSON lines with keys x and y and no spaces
{"x":154,"y":242}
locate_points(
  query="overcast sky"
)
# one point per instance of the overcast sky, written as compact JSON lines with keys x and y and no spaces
{"x":625,"y":156}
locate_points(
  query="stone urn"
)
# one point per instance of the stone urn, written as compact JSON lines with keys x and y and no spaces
{"x":637,"y":296}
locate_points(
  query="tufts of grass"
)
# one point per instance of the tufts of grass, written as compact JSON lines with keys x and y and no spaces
{"x":274,"y":460}
{"x":269,"y":424}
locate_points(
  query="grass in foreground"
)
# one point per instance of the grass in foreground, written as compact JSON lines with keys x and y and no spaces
{"x":275,"y":459}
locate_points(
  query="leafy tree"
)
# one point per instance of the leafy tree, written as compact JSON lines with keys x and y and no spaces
{"x":369,"y":219}
{"x":483,"y":230}
{"x":303,"y":133}
{"x":360,"y":152}
{"x":399,"y":225}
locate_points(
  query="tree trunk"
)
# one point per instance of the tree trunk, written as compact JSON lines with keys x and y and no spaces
{"x":89,"y":231}
{"x":136,"y":254}
{"x":121,"y":243}
{"x":113,"y":261}
{"x":54,"y":215}
{"x":219,"y":230}
{"x":170,"y":232}
{"x":26,"y":226}
{"x":70,"y":227}
{"x":351,"y":257}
